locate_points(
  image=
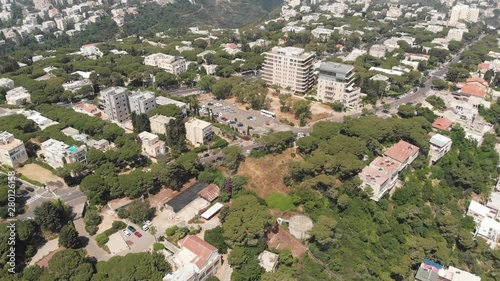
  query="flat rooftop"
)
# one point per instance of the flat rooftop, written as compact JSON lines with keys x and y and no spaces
{"x":336,"y":67}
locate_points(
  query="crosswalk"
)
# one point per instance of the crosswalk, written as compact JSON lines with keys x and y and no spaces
{"x":33,"y":199}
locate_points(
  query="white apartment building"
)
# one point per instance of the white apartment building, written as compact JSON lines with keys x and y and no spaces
{"x":440,"y":145}
{"x":165,"y":101}
{"x":159,"y":123}
{"x":91,"y":51}
{"x":151,"y":144}
{"x":463,"y":13}
{"x":336,"y":84}
{"x":142,"y":102}
{"x":18,"y":96}
{"x":115,"y":102}
{"x":289,"y":67}
{"x":57,"y":153}
{"x":12,"y":150}
{"x":172,"y":64}
{"x":198,"y":132}
{"x":6,"y":84}
{"x":322,"y":33}
{"x":455,"y":34}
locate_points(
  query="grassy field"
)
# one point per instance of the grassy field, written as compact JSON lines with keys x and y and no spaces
{"x":280,"y":201}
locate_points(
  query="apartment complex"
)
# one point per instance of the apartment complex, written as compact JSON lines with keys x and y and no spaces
{"x":159,"y":123}
{"x":142,"y":102}
{"x":196,"y":261}
{"x":336,"y":84}
{"x":57,"y":153}
{"x":463,"y":13}
{"x":382,"y":173}
{"x":440,"y":145}
{"x":198,"y":132}
{"x":151,"y":144}
{"x":172,"y":64}
{"x":289,"y":67}
{"x":116,"y":103}
{"x":12,"y":150}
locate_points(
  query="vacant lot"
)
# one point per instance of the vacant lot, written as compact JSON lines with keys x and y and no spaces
{"x":265,"y":175}
{"x":38,"y":173}
{"x":280,"y":201}
{"x":318,"y":110}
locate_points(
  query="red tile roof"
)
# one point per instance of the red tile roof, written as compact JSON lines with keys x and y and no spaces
{"x":484,"y":65}
{"x":473,"y":89}
{"x":477,"y":80}
{"x":385,"y":164}
{"x":401,"y":151}
{"x":442,"y":123}
{"x":210,"y":192}
{"x":199,"y":247}
{"x":232,"y":46}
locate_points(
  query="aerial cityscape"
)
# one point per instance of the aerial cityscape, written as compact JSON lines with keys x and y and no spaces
{"x":250,"y":140}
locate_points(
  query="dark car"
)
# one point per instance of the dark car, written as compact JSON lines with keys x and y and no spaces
{"x":421,"y":85}
{"x":131,"y":228}
{"x":30,"y":189}
{"x":22,"y":192}
{"x":240,"y":124}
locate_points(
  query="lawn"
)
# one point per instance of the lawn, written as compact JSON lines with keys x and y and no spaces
{"x":280,"y":201}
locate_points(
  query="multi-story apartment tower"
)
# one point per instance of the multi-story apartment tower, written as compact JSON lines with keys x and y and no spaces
{"x":464,"y":13}
{"x":336,"y":84}
{"x":116,"y":104}
{"x":142,"y":102}
{"x":290,"y":68}
{"x":12,"y":150}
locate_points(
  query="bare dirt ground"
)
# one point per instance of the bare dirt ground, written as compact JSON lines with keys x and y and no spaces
{"x":266,"y":174}
{"x":107,"y":220}
{"x":280,"y":239}
{"x":38,"y":173}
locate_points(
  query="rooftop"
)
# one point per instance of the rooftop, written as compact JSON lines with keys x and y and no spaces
{"x":210,"y":192}
{"x":442,"y":123}
{"x":386,"y":164}
{"x":474,"y":90}
{"x":201,"y":249}
{"x":198,"y":123}
{"x":401,"y":151}
{"x":268,"y":260}
{"x":291,"y":51}
{"x":336,"y":67}
{"x":187,"y":196}
{"x":439,"y":140}
{"x":372,"y":176}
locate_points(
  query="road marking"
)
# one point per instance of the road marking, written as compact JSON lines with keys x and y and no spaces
{"x":33,"y":199}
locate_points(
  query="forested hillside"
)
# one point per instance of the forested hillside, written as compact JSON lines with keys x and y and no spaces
{"x":221,"y":14}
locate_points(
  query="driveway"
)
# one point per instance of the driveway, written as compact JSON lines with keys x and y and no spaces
{"x":91,"y":246}
{"x":45,"y":250}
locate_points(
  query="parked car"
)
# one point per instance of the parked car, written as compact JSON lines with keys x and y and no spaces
{"x":126,"y":232}
{"x":240,"y":124}
{"x":22,"y":192}
{"x":131,"y":228}
{"x":249,"y":117}
{"x":138,"y":234}
{"x":30,"y":189}
{"x":147,"y":224}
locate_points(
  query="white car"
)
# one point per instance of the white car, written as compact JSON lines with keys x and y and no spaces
{"x":126,"y":232}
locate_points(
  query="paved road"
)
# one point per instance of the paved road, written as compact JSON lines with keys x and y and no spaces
{"x":91,"y":246}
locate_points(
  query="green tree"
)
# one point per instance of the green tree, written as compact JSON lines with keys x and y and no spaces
{"x":440,"y":84}
{"x":323,"y":230}
{"x":233,"y":157}
{"x":140,"y":211}
{"x":302,"y":110}
{"x":68,"y":237}
{"x":237,"y":257}
{"x":49,"y":216}
{"x":215,"y":237}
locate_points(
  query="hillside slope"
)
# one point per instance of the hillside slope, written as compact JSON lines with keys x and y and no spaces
{"x":211,"y":13}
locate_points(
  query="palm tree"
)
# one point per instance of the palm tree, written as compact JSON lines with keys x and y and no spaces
{"x":152,"y":231}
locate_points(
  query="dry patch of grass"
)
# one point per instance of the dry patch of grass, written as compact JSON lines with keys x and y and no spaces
{"x":38,"y":173}
{"x":265,"y":175}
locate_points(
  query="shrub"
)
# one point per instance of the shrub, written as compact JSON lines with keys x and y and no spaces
{"x":122,"y":213}
{"x":158,"y":246}
{"x":119,"y":225}
{"x":171,"y":230}
{"x":102,"y":239}
{"x":91,"y":229}
{"x":194,"y":230}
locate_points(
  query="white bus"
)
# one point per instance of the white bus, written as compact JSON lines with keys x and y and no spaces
{"x":268,"y":113}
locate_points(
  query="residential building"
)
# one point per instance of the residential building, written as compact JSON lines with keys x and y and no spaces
{"x":142,"y":102}
{"x":91,"y":51}
{"x":489,"y":229}
{"x":57,"y":153}
{"x":268,"y":261}
{"x":479,"y":211}
{"x":6,"y":84}
{"x":379,"y":182}
{"x":165,"y":101}
{"x":455,"y":34}
{"x":322,"y":33}
{"x":432,"y":271}
{"x":403,"y":152}
{"x":159,"y":123}
{"x":387,"y":166}
{"x":18,"y":96}
{"x":295,"y":29}
{"x":289,"y":67}
{"x":210,"y":68}
{"x":116,"y":104}
{"x":196,"y":261}
{"x":477,"y":87}
{"x":442,"y":123}
{"x":198,"y":132}
{"x":12,"y":150}
{"x":440,"y":145}
{"x":231,"y":48}
{"x":377,"y":51}
{"x":42,"y":121}
{"x":171,"y":64}
{"x":463,"y":13}
{"x":336,"y":84}
{"x":151,"y":144}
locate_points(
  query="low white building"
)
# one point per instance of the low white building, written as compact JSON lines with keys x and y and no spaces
{"x":440,"y":145}
{"x":18,"y":96}
{"x":198,"y":132}
{"x":377,"y":51}
{"x":6,"y":83}
{"x":12,"y":150}
{"x":42,"y":121}
{"x":91,"y":51}
{"x":151,"y":144}
{"x":57,"y":153}
{"x":268,"y":261}
{"x":159,"y":123}
{"x":322,"y":33}
{"x":171,"y":64}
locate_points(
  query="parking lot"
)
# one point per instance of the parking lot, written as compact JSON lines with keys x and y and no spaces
{"x":230,"y":113}
{"x":135,"y":244}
